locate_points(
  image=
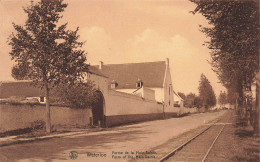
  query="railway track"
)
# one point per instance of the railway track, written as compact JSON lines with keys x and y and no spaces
{"x":198,"y":147}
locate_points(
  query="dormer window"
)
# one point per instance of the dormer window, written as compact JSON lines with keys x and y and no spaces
{"x":139,"y":84}
{"x":114,"y":84}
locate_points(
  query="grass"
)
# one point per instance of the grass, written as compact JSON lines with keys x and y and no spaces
{"x":249,"y":143}
{"x":236,"y":143}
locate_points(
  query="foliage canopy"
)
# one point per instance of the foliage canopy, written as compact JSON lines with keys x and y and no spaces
{"x":234,"y":39}
{"x":222,"y":98}
{"x":234,"y":43}
{"x":206,"y":92}
{"x":79,"y":95}
{"x":46,"y":52}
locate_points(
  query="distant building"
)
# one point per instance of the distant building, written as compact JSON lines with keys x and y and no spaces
{"x":23,"y":88}
{"x":178,"y":101}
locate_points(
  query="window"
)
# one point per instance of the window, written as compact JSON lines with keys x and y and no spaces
{"x":139,"y":84}
{"x":170,"y":88}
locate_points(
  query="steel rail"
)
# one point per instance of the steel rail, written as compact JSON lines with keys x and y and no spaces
{"x":204,"y":158}
{"x":167,"y":156}
{"x":184,"y":144}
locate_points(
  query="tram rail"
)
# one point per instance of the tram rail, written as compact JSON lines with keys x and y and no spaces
{"x":214,"y":127}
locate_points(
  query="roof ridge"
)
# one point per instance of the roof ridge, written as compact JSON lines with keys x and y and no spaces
{"x":133,"y":63}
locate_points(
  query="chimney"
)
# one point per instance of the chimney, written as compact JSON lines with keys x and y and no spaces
{"x":101,"y":64}
{"x":167,"y":62}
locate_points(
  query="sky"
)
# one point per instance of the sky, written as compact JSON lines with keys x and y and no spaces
{"x":128,"y":31}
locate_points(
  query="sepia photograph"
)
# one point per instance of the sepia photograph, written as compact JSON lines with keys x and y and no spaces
{"x":129,"y":80}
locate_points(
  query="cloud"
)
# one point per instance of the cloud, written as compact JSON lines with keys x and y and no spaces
{"x":98,"y":43}
{"x":186,"y":61}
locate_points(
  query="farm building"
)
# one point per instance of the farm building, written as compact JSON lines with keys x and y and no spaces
{"x":133,"y":91}
{"x":131,"y":77}
{"x":129,"y":92}
{"x":178,"y":101}
{"x":22,"y":88}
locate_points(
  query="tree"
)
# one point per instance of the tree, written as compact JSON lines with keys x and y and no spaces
{"x":192,"y":100}
{"x":222,"y":99}
{"x":79,"y":95}
{"x":198,"y":102}
{"x":234,"y":44}
{"x":231,"y":97}
{"x":189,"y":101}
{"x":206,"y":92}
{"x":44,"y":52}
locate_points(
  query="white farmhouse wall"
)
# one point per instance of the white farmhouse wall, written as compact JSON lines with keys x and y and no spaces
{"x":119,"y":103}
{"x":168,"y":93}
{"x":126,"y":90}
{"x":159,"y":94}
{"x":122,"y":106}
{"x":138,"y":92}
{"x":148,"y":94}
{"x":100,"y":82}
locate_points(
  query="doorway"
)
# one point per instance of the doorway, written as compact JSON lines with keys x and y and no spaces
{"x":98,"y":110}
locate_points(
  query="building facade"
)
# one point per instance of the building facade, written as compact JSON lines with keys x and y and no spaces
{"x":134,"y":92}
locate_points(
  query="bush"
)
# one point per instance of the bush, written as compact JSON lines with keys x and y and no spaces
{"x":38,"y":124}
{"x":78,"y":95}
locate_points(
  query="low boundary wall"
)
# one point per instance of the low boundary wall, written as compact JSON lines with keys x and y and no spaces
{"x":134,"y":118}
{"x":122,"y":108}
{"x":14,"y":117}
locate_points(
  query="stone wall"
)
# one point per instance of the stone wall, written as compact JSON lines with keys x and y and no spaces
{"x":13,"y":117}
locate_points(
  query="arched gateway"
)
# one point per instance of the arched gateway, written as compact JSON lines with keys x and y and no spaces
{"x":98,"y":110}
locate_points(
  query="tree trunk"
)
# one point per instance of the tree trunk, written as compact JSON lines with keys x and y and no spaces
{"x":47,"y":110}
{"x":257,"y":109}
{"x":236,"y":103}
{"x":241,"y":108}
{"x":257,"y":105}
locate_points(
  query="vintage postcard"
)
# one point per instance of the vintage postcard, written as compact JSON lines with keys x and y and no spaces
{"x":129,"y":80}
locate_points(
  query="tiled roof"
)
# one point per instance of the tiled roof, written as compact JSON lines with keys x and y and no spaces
{"x":94,"y":70}
{"x":176,"y":94}
{"x":126,"y":75}
{"x":19,"y":88}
